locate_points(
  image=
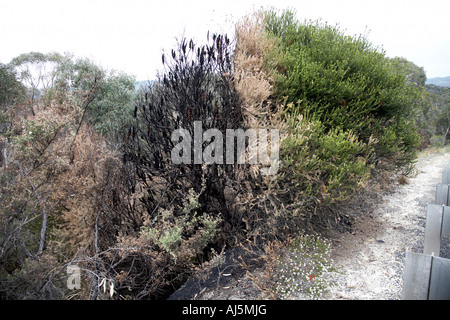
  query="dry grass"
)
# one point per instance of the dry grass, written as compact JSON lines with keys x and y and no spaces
{"x":252,"y":81}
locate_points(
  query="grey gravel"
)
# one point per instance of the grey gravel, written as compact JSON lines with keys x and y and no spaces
{"x":373,"y":258}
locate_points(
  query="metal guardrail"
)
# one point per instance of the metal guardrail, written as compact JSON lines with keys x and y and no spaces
{"x":426,"y":275}
{"x":437,"y":226}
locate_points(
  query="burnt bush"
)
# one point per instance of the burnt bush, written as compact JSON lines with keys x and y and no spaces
{"x":186,"y":211}
{"x":195,"y":86}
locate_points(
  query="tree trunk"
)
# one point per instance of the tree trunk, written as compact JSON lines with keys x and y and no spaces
{"x":444,"y":138}
{"x":43,"y":232}
{"x":2,"y":161}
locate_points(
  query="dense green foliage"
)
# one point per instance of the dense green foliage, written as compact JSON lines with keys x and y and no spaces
{"x":346,"y":84}
{"x":111,"y":109}
{"x":10,"y":88}
{"x":437,"y":114}
{"x":323,"y":164}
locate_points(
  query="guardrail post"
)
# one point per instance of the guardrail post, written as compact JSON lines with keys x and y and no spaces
{"x":439,"y":279}
{"x":433,"y":226}
{"x":445,"y":229}
{"x":442,"y":194}
{"x":416,"y":276}
{"x":427,"y":276}
{"x":446,"y":177}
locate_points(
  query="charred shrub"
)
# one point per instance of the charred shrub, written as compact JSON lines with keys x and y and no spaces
{"x":186,"y":209}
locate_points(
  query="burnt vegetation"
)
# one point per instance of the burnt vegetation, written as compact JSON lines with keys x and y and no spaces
{"x":196,"y":86}
{"x":88,"y":179}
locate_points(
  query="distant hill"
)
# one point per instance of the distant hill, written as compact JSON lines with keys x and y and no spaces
{"x":439,"y":81}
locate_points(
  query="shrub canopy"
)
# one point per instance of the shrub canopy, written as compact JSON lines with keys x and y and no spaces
{"x":346,"y":83}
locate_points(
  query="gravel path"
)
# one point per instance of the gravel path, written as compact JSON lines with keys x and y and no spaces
{"x":372,"y":258}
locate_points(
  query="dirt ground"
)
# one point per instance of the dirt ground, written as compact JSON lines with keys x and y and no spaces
{"x":370,"y":258}
{"x":373,"y":256}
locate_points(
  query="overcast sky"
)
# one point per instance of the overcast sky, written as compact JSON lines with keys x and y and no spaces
{"x":130,"y":35}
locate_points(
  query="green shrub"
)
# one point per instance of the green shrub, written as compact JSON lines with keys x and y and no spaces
{"x":169,"y":232}
{"x":11,"y":89}
{"x":398,"y":143}
{"x":436,"y":141}
{"x":345,"y":83}
{"x":326,"y":165}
